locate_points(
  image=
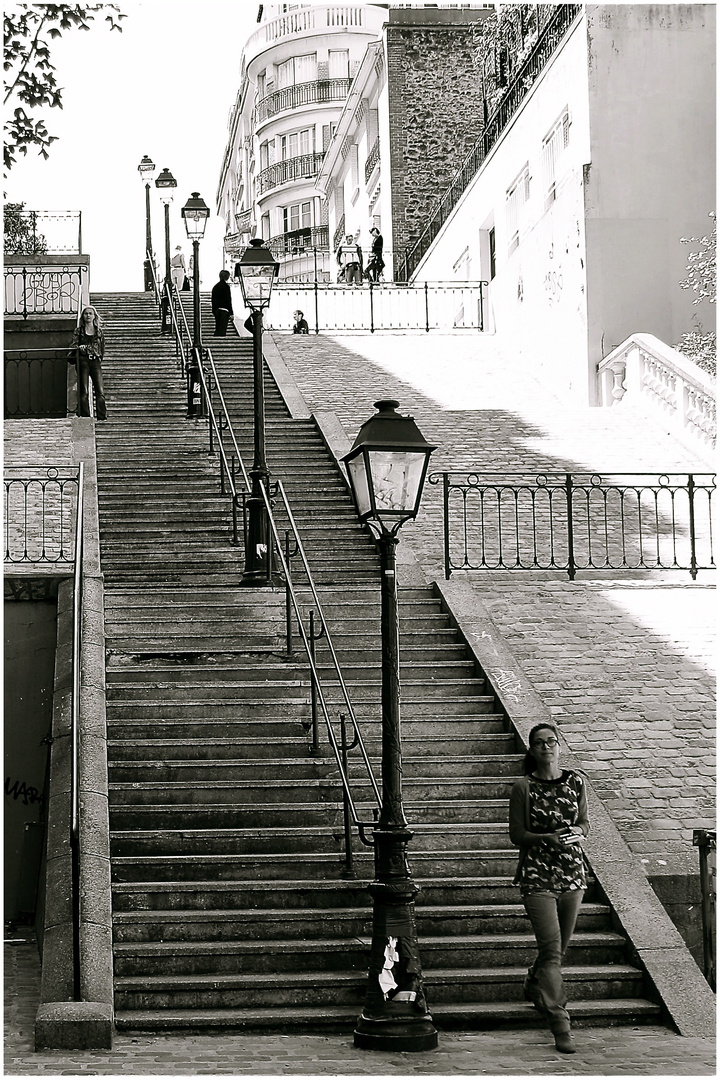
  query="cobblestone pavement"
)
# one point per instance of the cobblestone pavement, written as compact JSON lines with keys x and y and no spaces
{"x":650,"y":1051}
{"x":624,"y":661}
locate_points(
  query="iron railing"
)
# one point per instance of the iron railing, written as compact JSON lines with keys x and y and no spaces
{"x":75,"y":733}
{"x":50,"y":290}
{"x":40,"y":512}
{"x":312,"y":238}
{"x":548,"y":40}
{"x":302,"y":167}
{"x":372,"y":159}
{"x":339,"y":233}
{"x":36,"y":382}
{"x":576,"y":521}
{"x":293,"y":97}
{"x":705,"y":840}
{"x":42,"y":232}
{"x":235,"y":484}
{"x":378,"y":307}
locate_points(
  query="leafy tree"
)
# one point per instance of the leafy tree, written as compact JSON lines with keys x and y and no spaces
{"x":20,"y":232}
{"x":29,"y":72}
{"x":699,"y":346}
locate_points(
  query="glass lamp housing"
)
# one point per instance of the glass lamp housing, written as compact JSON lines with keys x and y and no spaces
{"x":195,"y":214}
{"x":258,"y":271}
{"x":166,"y":184}
{"x":386,"y":467}
{"x":146,"y":168}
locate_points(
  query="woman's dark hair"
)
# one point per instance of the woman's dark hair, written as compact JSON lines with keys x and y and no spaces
{"x":530,"y":764}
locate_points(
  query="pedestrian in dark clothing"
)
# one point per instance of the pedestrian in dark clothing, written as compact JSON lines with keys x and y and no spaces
{"x":89,"y":349}
{"x":301,"y":326}
{"x":375,"y":263}
{"x":221,"y":298}
{"x":548,"y":819}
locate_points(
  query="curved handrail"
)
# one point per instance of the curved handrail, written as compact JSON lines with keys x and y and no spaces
{"x":284,"y":563}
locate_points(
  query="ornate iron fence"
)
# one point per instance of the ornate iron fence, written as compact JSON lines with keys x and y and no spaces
{"x":577,"y":521}
{"x":427,"y":306}
{"x":302,"y":167}
{"x":545,"y":47}
{"x":40,"y":514}
{"x":42,"y":232}
{"x":705,"y":840}
{"x":35,"y":382}
{"x":292,"y":97}
{"x":49,"y":290}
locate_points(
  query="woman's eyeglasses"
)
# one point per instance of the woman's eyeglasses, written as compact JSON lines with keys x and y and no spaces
{"x":550,"y":744}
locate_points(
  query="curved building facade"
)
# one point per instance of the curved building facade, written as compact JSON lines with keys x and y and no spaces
{"x":296,"y":73}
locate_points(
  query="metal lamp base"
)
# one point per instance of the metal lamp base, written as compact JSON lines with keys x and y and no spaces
{"x":404,"y":1034}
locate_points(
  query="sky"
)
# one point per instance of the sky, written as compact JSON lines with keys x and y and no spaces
{"x":163,"y":87}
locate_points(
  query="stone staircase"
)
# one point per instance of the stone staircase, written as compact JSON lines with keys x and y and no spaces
{"x":231,"y":908}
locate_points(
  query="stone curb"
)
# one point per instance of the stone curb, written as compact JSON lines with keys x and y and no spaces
{"x":286,"y":384}
{"x":659,"y":947}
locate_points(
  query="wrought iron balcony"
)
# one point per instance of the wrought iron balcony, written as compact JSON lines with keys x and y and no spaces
{"x":303,"y":167}
{"x":293,"y":97}
{"x":313,"y":19}
{"x":299,"y":241}
{"x":373,"y":159}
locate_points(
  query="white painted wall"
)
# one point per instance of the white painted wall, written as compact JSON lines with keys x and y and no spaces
{"x":537,"y":300}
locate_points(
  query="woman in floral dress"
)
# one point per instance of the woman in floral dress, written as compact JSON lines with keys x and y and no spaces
{"x":548,"y":818}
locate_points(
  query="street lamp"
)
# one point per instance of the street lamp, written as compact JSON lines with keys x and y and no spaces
{"x":258,"y":271}
{"x":166,"y":184}
{"x":146,"y":168}
{"x":386,"y":467}
{"x":195,"y":214}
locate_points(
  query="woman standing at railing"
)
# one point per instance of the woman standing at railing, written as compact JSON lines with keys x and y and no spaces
{"x":548,"y":818}
{"x":89,"y":347}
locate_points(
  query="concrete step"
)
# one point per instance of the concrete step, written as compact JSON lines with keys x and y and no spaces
{"x":462,"y":1016}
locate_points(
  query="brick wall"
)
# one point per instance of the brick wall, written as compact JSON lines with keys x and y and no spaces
{"x":435,"y":106}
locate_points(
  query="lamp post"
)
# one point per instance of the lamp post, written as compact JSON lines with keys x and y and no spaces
{"x":146,"y":168}
{"x":386,"y":467}
{"x":258,"y":271}
{"x":195,"y":214}
{"x":166,"y":184}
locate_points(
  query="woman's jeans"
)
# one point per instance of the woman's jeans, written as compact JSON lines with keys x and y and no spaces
{"x":90,"y":369}
{"x":553,"y":917}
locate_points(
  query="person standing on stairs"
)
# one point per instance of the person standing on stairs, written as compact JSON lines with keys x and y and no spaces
{"x":548,"y":818}
{"x":221,"y":299}
{"x":177,"y":268}
{"x":89,"y":349}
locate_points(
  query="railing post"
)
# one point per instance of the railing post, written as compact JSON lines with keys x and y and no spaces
{"x":317,"y":321}
{"x":80,"y":232}
{"x":288,"y":614}
{"x":372,"y":314}
{"x":571,"y":542}
{"x":427,"y":310}
{"x":349,"y":871}
{"x":705,"y":841}
{"x":446,"y":524}
{"x":691,"y":508}
{"x":315,"y":745}
{"x":482,"y":311}
{"x":24,"y":277}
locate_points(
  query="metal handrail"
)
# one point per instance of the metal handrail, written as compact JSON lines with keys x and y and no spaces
{"x":218,"y":429}
{"x":75,"y":735}
{"x":156,"y":287}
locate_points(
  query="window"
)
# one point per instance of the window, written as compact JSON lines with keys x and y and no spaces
{"x":297,"y":217}
{"x":299,"y":69}
{"x":296,"y":144}
{"x":554,"y":143}
{"x":491,"y":251}
{"x":516,"y":197}
{"x":338,"y":64}
{"x":261,"y":85}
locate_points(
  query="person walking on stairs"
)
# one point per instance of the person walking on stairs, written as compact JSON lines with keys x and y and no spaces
{"x":177,"y":268}
{"x":548,"y":818}
{"x":221,"y":299}
{"x":89,"y":350}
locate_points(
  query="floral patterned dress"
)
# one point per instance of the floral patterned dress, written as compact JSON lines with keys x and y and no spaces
{"x":554,"y":805}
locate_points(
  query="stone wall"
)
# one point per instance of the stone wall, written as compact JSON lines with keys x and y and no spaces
{"x":436,"y":111}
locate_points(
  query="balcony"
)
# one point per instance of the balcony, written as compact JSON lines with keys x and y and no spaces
{"x":304,"y":167}
{"x":299,"y":241}
{"x":293,"y":97}
{"x":317,"y":19}
{"x":373,"y":159}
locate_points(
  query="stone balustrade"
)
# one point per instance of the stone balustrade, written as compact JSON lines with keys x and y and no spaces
{"x":644,"y":370}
